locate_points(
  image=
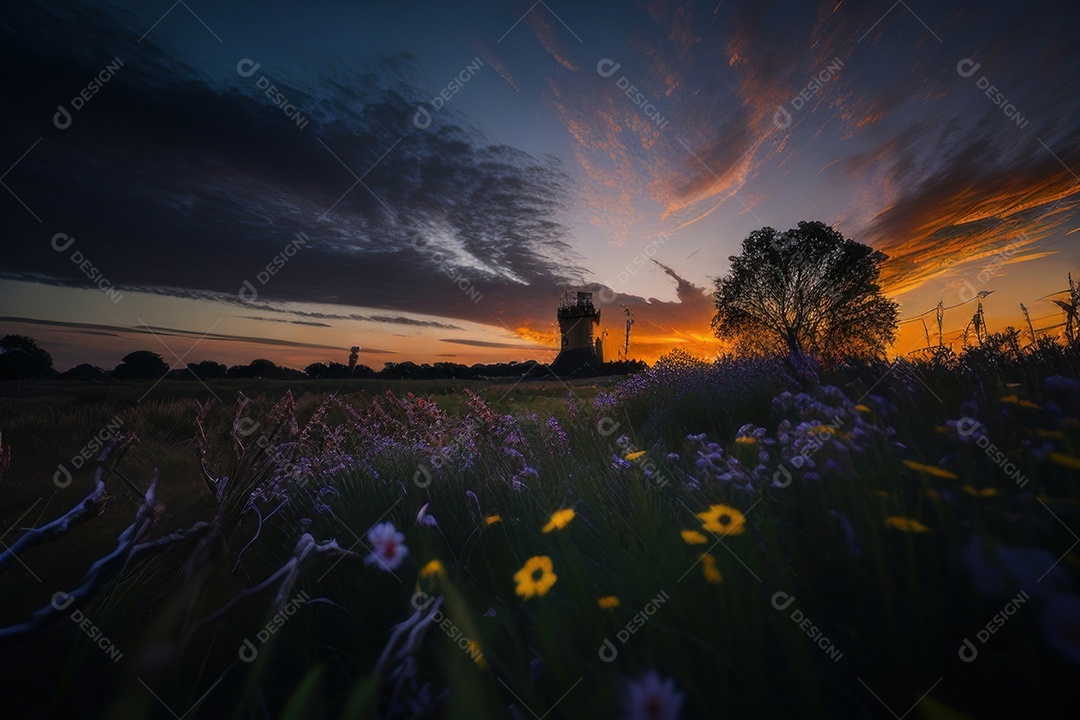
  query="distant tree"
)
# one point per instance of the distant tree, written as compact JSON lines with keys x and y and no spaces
{"x":263,"y":369}
{"x":141,"y":365}
{"x":206,"y":370}
{"x":22,"y":359}
{"x":809,"y":290}
{"x":399,"y":371}
{"x":316,"y":370}
{"x":337,"y":371}
{"x":84,"y":372}
{"x":363,"y":372}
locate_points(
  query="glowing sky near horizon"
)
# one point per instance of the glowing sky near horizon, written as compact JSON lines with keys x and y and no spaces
{"x":943,"y":135}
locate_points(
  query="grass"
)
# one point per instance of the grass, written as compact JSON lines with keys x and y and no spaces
{"x":830,"y":602}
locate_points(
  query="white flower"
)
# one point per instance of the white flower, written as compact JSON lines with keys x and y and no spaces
{"x":388,"y":549}
{"x":651,"y":698}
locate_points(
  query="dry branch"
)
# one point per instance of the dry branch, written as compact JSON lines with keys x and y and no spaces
{"x":101,"y":572}
{"x":85,"y":510}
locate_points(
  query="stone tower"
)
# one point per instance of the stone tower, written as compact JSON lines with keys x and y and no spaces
{"x":580,"y":353}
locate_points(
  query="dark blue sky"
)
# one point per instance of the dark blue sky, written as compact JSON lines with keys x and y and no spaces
{"x":181,"y":179}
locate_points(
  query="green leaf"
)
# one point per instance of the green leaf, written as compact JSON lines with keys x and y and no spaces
{"x":304,"y":697}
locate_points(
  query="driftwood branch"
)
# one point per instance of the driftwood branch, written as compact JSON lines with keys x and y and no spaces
{"x":204,"y":447}
{"x":286,"y":575}
{"x":101,"y":572}
{"x":174,"y":537}
{"x":413,"y":625}
{"x":85,"y":510}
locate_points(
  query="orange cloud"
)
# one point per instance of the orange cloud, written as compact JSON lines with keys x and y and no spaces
{"x":538,"y":22}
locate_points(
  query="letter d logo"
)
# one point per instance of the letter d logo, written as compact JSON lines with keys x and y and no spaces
{"x":968,"y":292}
{"x":607,"y":67}
{"x":967,"y":67}
{"x":608,"y":652}
{"x":248,"y":651}
{"x":781,"y":472}
{"x":62,"y":477}
{"x":422,"y":477}
{"x":781,"y":118}
{"x":62,"y":604}
{"x":62,"y":237}
{"x":247,"y":67}
{"x":247,"y":292}
{"x":967,"y":426}
{"x":782,"y":601}
{"x":968,"y":652}
{"x":62,"y":118}
{"x":422,"y":118}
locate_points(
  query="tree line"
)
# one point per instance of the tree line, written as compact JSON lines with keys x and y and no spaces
{"x":21,"y":358}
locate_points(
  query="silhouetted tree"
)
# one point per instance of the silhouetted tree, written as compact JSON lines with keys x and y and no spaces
{"x":399,"y":370}
{"x":316,"y":370}
{"x":337,"y":371}
{"x":22,"y":359}
{"x":84,"y":372}
{"x":141,"y":365}
{"x":363,"y":372}
{"x":207,"y":370}
{"x":808,"y":290}
{"x":263,"y":369}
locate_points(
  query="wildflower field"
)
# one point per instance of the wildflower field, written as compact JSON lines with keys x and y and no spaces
{"x":740,"y":539}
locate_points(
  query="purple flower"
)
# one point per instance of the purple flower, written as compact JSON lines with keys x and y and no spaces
{"x":651,"y":698}
{"x":1030,"y":569}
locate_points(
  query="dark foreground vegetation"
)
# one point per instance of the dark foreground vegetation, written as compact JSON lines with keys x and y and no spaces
{"x":740,"y":539}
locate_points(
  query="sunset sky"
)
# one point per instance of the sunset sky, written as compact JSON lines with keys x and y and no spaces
{"x":452,"y":168}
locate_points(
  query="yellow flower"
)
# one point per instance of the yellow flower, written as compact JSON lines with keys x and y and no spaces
{"x":535,"y":578}
{"x":932,"y":470}
{"x":608,"y":602}
{"x":979,"y":492}
{"x":559,"y":520}
{"x":473,"y":648}
{"x":862,"y":408}
{"x":933,"y":710}
{"x":723,"y":519}
{"x":906,"y":524}
{"x":708,"y":566}
{"x":746,"y":440}
{"x":693,"y":537}
{"x":636,"y":455}
{"x":1048,"y":433}
{"x":432,"y":568}
{"x":1065,"y":460}
{"x":492,"y":519}
{"x":1014,"y":398}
